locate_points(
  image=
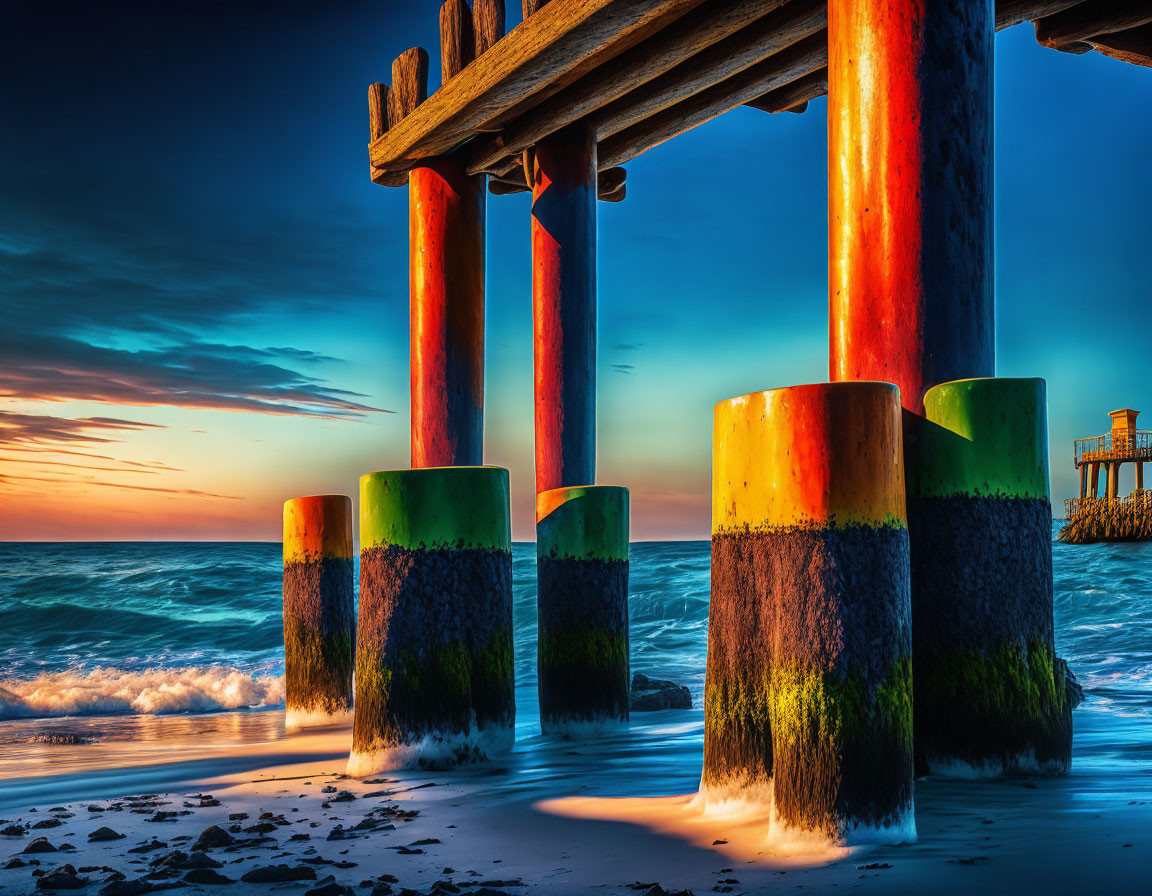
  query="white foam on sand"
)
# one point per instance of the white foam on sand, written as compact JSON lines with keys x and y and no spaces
{"x":441,"y":750}
{"x":572,"y":728}
{"x":107,"y":691}
{"x":295,"y":719}
{"x":1021,"y":763}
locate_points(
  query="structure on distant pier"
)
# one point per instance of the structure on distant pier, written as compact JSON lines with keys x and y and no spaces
{"x":1094,"y":517}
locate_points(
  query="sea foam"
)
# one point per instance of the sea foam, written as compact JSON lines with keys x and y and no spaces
{"x":107,"y":691}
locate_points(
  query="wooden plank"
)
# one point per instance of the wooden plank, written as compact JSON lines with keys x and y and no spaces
{"x":803,"y":58}
{"x":556,"y":45}
{"x":782,"y":28}
{"x":1133,"y":45}
{"x":377,"y":110}
{"x":457,"y":42}
{"x":793,"y":96}
{"x":409,"y":86}
{"x":685,"y":37}
{"x":1089,"y":19}
{"x":488,"y":24}
{"x":1015,"y":12}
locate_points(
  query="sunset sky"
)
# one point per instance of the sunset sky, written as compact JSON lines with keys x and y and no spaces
{"x":205,"y":299}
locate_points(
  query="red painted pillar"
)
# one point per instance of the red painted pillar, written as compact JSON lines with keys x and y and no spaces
{"x":910,"y":192}
{"x":564,"y":308}
{"x":446,"y":270}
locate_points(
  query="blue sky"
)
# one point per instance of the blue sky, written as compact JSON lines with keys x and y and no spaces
{"x":197,"y":273}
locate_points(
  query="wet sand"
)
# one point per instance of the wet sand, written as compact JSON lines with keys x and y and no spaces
{"x":555,"y":817}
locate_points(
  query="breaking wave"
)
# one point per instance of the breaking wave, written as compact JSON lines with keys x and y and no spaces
{"x":111,"y":691}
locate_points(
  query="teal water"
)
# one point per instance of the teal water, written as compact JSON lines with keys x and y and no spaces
{"x":139,"y":632}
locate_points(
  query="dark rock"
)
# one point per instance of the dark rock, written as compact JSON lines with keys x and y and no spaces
{"x":101,"y":835}
{"x":47,"y":823}
{"x":59,"y":738}
{"x":127,"y":888}
{"x":238,"y":816}
{"x":344,"y":797}
{"x":62,"y":878}
{"x":265,"y":827}
{"x":213,"y":837}
{"x":300,"y":837}
{"x":14,"y":862}
{"x":207,"y":876}
{"x":1073,"y":690}
{"x":426,"y":842}
{"x":149,"y":847}
{"x":274,"y":874}
{"x":67,"y":847}
{"x":40,"y":844}
{"x":181,"y":861}
{"x":13,"y":830}
{"x":654,"y":694}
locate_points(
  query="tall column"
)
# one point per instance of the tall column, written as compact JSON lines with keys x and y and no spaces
{"x":910,"y":192}
{"x":564,"y":308}
{"x":1094,"y":480}
{"x":1084,"y":481}
{"x":808,"y":694}
{"x":435,"y":684}
{"x":446,"y":270}
{"x":1139,"y":476}
{"x":1113,"y":480}
{"x":989,"y":691}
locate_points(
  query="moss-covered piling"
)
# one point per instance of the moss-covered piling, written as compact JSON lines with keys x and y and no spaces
{"x":989,"y":693}
{"x":808,"y":695}
{"x":582,"y":602}
{"x":434,"y":670}
{"x":319,"y":610}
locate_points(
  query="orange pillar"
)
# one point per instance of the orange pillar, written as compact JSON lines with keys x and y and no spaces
{"x":1094,"y":480}
{"x":564,"y":308}
{"x":1139,"y":477}
{"x":910,"y":192}
{"x":446,"y":270}
{"x":1083,"y":481}
{"x":1113,"y":480}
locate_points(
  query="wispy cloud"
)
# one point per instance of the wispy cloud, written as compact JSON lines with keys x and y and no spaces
{"x":6,"y":479}
{"x":44,"y":430}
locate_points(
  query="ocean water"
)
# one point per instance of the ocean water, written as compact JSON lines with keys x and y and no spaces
{"x":151,"y":642}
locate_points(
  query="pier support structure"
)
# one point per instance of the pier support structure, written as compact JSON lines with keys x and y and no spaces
{"x":910,"y":192}
{"x":582,"y":570}
{"x":446,"y":270}
{"x":319,"y":610}
{"x":434,"y":674}
{"x":564,"y":308}
{"x":809,"y":678}
{"x":990,"y":693}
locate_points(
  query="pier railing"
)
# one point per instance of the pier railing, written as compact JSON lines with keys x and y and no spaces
{"x":1139,"y":500}
{"x":1121,"y":445}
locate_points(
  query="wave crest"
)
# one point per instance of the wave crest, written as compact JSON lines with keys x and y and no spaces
{"x":108,"y":691}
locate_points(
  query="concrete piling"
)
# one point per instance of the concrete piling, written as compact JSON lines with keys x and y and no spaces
{"x":990,"y":692}
{"x":319,"y":610}
{"x":434,"y":673}
{"x":582,"y":568}
{"x":808,"y":695}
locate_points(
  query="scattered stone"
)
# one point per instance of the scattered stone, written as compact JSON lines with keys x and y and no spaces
{"x":300,"y":837}
{"x":265,"y":827}
{"x":343,"y":796}
{"x":13,"y":830}
{"x":15,"y":862}
{"x":407,"y":851}
{"x":655,"y":694}
{"x":275,"y":874}
{"x":238,"y":816}
{"x":873,"y":866}
{"x":426,"y":842}
{"x":40,"y":844}
{"x":207,"y":876}
{"x":329,"y":887}
{"x":102,"y":835}
{"x":62,"y":878}
{"x":95,"y":808}
{"x":327,"y":788}
{"x":177,"y":860}
{"x":47,"y":823}
{"x":59,"y":738}
{"x":149,"y":847}
{"x":127,"y":888}
{"x":214,"y":837}
{"x":67,"y":847}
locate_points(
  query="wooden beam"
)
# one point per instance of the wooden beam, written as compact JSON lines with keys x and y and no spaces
{"x":487,"y":24}
{"x":1093,"y":17}
{"x":409,"y":87}
{"x":556,"y":45}
{"x":609,"y":180}
{"x":803,"y":58}
{"x":793,"y":97}
{"x":531,"y":7}
{"x":784,"y":27}
{"x":685,"y":37}
{"x":457,"y":42}
{"x":377,"y":110}
{"x":1015,"y":12}
{"x":616,"y":195}
{"x":1133,"y":45}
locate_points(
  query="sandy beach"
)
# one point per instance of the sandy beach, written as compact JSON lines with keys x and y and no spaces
{"x":555,"y":817}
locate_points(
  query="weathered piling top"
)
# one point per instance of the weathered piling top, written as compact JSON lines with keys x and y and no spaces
{"x":639,"y":72}
{"x":1122,"y":444}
